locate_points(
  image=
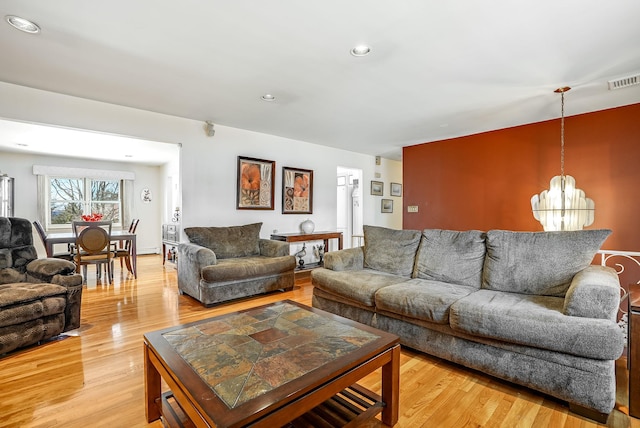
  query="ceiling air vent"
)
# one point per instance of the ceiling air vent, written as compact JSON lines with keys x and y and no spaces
{"x":624,"y":82}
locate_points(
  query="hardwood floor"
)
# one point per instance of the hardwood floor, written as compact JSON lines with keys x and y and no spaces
{"x":95,"y":378}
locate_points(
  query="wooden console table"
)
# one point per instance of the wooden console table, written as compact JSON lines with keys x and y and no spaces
{"x":314,"y":236}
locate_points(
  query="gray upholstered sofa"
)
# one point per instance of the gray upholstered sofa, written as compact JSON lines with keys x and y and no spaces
{"x":527,"y":307}
{"x":226,"y":263}
{"x":39,"y":298}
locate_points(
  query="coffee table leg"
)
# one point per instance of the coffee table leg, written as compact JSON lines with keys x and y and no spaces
{"x":391,"y":388}
{"x":152,"y":387}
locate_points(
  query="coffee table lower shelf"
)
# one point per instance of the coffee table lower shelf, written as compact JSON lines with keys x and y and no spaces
{"x":349,"y":408}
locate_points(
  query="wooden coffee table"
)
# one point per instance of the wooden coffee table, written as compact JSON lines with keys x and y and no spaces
{"x":282,"y":364}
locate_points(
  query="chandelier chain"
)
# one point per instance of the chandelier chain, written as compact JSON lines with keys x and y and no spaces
{"x":562,"y":136}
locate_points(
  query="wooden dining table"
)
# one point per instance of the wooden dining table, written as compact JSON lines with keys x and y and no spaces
{"x":116,"y":235}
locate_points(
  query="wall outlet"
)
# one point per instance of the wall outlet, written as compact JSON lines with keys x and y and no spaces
{"x":412,"y":209}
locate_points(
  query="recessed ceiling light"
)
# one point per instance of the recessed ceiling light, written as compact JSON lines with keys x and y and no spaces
{"x":360,"y":50}
{"x":22,"y":24}
{"x":268,"y":97}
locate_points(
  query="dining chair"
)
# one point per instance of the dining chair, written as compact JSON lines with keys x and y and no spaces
{"x":93,"y":246}
{"x":68,"y":255}
{"x":124,"y":250}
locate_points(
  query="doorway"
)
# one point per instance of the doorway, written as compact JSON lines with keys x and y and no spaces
{"x":349,"y":206}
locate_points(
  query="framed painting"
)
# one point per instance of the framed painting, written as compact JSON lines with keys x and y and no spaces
{"x":297,"y":191}
{"x":377,"y":188}
{"x":255,"y":184}
{"x":387,"y":206}
{"x":395,"y":189}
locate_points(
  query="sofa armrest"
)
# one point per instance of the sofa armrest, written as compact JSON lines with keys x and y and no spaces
{"x":349,"y":259}
{"x":594,"y":293}
{"x":271,"y":248}
{"x":195,"y":257}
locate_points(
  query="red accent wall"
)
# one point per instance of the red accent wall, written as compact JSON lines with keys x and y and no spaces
{"x":486,"y":181}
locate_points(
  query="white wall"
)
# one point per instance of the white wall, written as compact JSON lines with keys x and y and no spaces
{"x":209,"y":164}
{"x":388,"y":172}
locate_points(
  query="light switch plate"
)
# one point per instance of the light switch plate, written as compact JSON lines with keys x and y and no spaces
{"x":412,"y":209}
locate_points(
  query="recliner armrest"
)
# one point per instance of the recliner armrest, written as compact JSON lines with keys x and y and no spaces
{"x":43,"y":270}
{"x":594,"y":293}
{"x":348,"y":259}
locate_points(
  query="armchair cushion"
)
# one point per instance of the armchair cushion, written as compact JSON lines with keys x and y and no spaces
{"x":227,"y":242}
{"x":539,"y":263}
{"x":247,"y":267}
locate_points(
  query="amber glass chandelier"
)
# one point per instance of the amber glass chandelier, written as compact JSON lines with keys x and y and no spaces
{"x":563,"y":206}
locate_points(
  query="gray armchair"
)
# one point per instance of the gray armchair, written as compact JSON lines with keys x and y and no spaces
{"x":226,"y":263}
{"x":39,"y":298}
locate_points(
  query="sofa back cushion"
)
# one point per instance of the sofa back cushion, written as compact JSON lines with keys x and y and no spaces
{"x":228,"y":242}
{"x":451,"y":256}
{"x":389,"y":250}
{"x":541,"y":263}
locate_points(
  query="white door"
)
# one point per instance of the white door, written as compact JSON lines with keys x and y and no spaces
{"x":349,"y":205}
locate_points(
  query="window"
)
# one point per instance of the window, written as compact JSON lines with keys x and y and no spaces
{"x":70,"y":198}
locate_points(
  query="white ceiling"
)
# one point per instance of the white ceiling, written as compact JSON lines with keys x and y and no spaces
{"x":437,"y":69}
{"x":43,"y":139}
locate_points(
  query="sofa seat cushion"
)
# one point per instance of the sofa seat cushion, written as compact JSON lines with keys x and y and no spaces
{"x":228,"y":242}
{"x":247,"y":267}
{"x":356,"y":285}
{"x":421,"y":299}
{"x":535,"y":321}
{"x":541,"y":263}
{"x":451,"y":256}
{"x":389,"y":250}
{"x":17,"y":293}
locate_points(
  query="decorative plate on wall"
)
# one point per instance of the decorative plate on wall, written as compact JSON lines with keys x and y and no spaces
{"x":146,"y":196}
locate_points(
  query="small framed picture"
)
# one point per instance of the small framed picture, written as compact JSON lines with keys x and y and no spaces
{"x":387,"y":206}
{"x":395,"y":189}
{"x":377,"y":188}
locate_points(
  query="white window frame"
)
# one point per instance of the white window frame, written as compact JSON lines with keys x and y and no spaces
{"x":86,"y":202}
